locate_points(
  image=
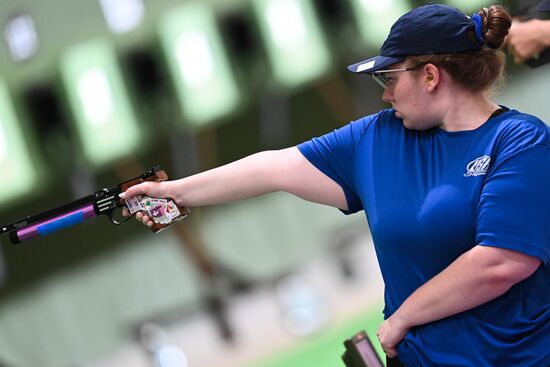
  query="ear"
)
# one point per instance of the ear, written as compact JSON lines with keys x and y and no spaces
{"x":432,"y":77}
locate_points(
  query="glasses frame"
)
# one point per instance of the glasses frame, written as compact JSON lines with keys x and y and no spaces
{"x":382,"y":80}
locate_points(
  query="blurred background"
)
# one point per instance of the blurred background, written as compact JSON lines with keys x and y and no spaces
{"x":94,"y":92}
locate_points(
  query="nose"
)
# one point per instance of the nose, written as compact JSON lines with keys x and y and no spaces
{"x":387,"y":96}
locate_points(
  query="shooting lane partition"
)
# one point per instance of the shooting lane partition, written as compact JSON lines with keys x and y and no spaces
{"x":375,"y":18}
{"x":105,"y":123}
{"x":198,"y":63}
{"x":293,"y":39}
{"x":18,"y":161}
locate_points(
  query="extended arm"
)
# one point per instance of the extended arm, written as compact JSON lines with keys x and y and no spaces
{"x":476,"y":277}
{"x":258,"y":174}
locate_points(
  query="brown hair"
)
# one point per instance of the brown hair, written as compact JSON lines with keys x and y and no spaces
{"x":477,"y":70}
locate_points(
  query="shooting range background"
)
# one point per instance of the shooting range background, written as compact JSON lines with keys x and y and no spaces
{"x":294,"y":278}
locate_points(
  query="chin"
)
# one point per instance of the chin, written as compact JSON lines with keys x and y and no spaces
{"x":412,"y":126}
{"x":408,"y":125}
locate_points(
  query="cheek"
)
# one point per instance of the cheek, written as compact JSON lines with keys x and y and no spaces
{"x":411,"y":106}
{"x":420,"y":112}
{"x":416,"y":114}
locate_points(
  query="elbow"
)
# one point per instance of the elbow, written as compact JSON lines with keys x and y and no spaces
{"x":510,"y":273}
{"x":504,"y":267}
{"x":270,"y":171}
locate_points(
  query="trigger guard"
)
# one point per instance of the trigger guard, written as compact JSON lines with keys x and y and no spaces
{"x":116,"y":222}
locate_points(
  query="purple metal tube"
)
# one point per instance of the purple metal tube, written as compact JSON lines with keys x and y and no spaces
{"x":56,"y":223}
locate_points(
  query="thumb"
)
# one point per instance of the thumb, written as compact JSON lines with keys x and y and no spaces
{"x":151,"y":189}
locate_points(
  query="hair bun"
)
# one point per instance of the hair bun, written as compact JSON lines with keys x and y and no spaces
{"x":496,"y":23}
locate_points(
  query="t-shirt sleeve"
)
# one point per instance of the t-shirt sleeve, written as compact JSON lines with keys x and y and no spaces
{"x":513,"y":211}
{"x":334,"y":155}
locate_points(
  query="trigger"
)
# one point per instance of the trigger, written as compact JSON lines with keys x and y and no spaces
{"x":116,"y":221}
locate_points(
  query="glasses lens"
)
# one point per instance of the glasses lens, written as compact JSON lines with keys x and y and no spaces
{"x":380,"y":79}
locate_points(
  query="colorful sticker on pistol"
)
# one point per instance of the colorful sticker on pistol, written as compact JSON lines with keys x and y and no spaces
{"x":161,"y":211}
{"x":172,"y":210}
{"x":157,"y":210}
{"x":134,"y":204}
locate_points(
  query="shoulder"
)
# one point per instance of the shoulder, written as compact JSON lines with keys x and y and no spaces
{"x":383,"y":120}
{"x":355,"y":132}
{"x":517,"y":131}
{"x":523,"y":130}
{"x":348,"y":137}
{"x":381,"y":116}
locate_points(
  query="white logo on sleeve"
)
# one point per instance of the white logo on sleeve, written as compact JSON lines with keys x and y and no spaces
{"x":478,"y":166}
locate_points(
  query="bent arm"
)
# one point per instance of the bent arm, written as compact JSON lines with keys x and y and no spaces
{"x":261,"y":173}
{"x":476,"y":277}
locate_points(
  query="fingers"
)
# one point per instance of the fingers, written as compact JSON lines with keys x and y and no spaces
{"x":519,"y":57}
{"x":152,"y":189}
{"x":140,"y":217}
{"x":522,"y":40}
{"x":516,"y":54}
{"x":390,"y":350}
{"x":388,"y":338}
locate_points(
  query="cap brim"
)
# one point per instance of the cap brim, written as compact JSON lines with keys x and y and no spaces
{"x":374,"y":64}
{"x":544,"y":6}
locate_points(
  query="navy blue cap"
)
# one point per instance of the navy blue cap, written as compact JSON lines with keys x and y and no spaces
{"x":428,"y":29}
{"x":544,"y":5}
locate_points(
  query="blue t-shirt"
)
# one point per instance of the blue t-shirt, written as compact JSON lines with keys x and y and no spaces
{"x":429,"y":196}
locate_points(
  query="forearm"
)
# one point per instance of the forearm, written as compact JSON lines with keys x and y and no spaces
{"x":472,"y":280}
{"x":242,"y":179}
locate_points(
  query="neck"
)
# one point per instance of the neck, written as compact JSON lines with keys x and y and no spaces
{"x":466,"y":111}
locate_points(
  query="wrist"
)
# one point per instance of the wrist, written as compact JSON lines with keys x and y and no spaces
{"x":400,"y":320}
{"x":168,"y":190}
{"x":175,"y":191}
